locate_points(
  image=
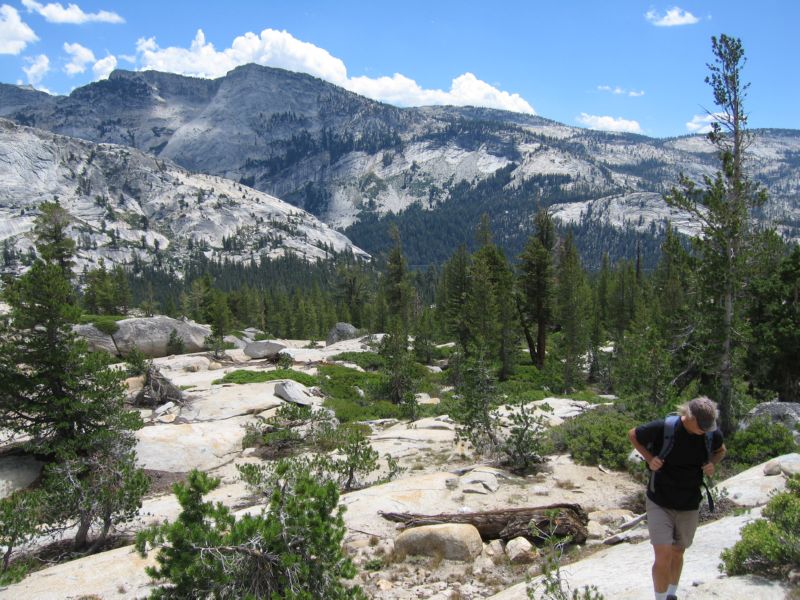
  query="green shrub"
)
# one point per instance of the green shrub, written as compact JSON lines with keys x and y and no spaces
{"x":284,"y":360}
{"x":369,"y":361}
{"x":769,"y":546}
{"x":343,"y":383}
{"x":242,"y":377}
{"x":136,"y":362}
{"x":348,"y":410}
{"x":762,"y":440}
{"x":175,"y":344}
{"x":598,"y":436}
{"x":106,"y":324}
{"x":87,"y":318}
{"x":526,"y":444}
{"x":293,"y":544}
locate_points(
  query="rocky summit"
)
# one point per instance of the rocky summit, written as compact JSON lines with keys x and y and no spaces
{"x":346,"y":158}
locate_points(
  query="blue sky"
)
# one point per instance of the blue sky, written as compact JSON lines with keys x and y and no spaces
{"x":620,"y":65}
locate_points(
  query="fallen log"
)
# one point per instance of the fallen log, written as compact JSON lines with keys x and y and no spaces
{"x":535,"y":524}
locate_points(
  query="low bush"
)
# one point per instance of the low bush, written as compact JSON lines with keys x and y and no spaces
{"x":136,"y":362}
{"x":762,"y":440}
{"x":295,"y":543}
{"x":769,"y":546}
{"x":598,"y":436}
{"x":175,"y":344}
{"x":106,"y":324}
{"x":242,"y":377}
{"x":369,"y":361}
{"x":349,"y":410}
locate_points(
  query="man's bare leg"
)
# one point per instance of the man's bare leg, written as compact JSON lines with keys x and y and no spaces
{"x":676,"y":565}
{"x":662,"y":567}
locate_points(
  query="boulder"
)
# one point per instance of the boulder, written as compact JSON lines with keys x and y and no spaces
{"x":237,"y":343}
{"x":296,"y":393}
{"x":96,"y":339}
{"x":263,"y":349}
{"x":788,"y":464}
{"x":520,"y":551}
{"x":785,"y":413}
{"x":149,"y":335}
{"x":341,"y":331}
{"x":17,"y":472}
{"x":450,"y":541}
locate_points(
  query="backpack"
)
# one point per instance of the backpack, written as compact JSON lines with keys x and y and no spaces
{"x":670,"y":423}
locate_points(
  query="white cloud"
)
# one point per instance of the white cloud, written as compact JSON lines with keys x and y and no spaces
{"x":673,"y":17}
{"x":14,"y":33}
{"x":80,"y":56}
{"x":702,"y":123}
{"x":606,"y":123}
{"x":103,"y":67}
{"x":619,"y":91}
{"x":55,"y":12}
{"x":37,"y":69}
{"x":281,"y":49}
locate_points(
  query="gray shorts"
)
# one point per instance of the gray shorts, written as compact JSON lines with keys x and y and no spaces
{"x":672,"y":527}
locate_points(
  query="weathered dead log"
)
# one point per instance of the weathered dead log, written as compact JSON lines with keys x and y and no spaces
{"x":157,"y":390}
{"x":533,"y":523}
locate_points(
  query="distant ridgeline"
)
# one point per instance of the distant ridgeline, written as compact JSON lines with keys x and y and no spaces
{"x":361,"y":166}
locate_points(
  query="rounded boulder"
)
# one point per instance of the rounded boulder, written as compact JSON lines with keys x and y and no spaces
{"x":451,"y":541}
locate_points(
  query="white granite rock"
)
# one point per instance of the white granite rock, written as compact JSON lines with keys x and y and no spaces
{"x":520,"y":551}
{"x":181,"y":448}
{"x":17,"y":472}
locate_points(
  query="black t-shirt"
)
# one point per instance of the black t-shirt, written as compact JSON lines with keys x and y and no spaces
{"x":677,"y":484}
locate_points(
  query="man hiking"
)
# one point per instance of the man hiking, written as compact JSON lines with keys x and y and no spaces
{"x":679,"y":451}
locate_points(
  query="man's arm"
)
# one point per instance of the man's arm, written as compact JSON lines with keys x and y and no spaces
{"x":716,"y":458}
{"x":654,"y":462}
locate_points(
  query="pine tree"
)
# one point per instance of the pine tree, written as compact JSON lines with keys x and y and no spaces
{"x":723,"y":209}
{"x":453,"y":293}
{"x":537,"y":284}
{"x":65,"y":398}
{"x":572,"y":311}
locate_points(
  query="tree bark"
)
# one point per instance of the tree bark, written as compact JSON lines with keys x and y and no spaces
{"x":533,"y":523}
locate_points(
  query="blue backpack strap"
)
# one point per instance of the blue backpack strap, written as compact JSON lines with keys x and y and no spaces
{"x":709,"y":451}
{"x":670,"y":423}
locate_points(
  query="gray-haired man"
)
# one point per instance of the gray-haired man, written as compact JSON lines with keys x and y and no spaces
{"x":674,"y":495}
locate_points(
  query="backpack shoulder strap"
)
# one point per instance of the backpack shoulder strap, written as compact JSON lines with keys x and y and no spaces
{"x":709,"y":444}
{"x":670,"y":423}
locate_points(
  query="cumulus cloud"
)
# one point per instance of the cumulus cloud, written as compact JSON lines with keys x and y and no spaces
{"x":702,"y":123}
{"x":37,"y":68}
{"x":55,"y":12}
{"x":619,"y":91}
{"x":673,"y":17}
{"x":103,"y":67}
{"x":281,"y":49}
{"x":14,"y":33}
{"x":80,"y":56}
{"x":606,"y":123}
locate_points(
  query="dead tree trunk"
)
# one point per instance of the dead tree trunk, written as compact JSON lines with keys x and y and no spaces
{"x":157,"y":390}
{"x":534,"y":523}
